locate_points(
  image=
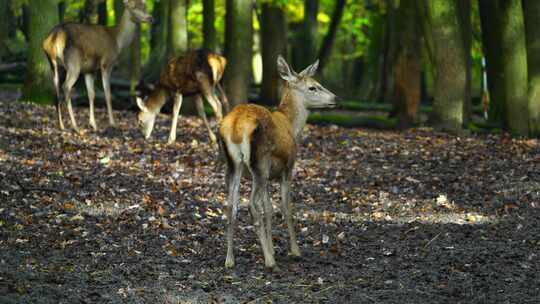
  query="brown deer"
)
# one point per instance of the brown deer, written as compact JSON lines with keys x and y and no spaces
{"x":266,"y":144}
{"x":84,"y":48}
{"x":196,"y":73}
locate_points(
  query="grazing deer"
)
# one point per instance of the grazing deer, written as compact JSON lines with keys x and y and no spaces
{"x":266,"y":144}
{"x":83,"y":48}
{"x":196,"y":73}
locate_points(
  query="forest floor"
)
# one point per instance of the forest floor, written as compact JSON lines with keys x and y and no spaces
{"x":382,"y":216}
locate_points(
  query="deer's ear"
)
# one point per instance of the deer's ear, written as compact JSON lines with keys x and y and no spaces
{"x":141,"y":105}
{"x":310,"y":70}
{"x":284,"y":70}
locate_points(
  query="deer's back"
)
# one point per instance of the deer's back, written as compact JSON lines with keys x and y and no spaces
{"x":94,"y":43}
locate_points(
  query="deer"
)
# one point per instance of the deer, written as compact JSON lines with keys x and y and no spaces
{"x":85,"y":49}
{"x":197,"y":73}
{"x":266,"y":144}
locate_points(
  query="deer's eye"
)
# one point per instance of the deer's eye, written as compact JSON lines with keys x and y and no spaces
{"x":312,"y":89}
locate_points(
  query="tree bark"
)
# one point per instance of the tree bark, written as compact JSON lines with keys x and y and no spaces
{"x":274,"y":43}
{"x":450,"y":76}
{"x":102,"y":12}
{"x":514,"y":59}
{"x":4,"y":27}
{"x":178,"y":32}
{"x":159,"y":42}
{"x":89,"y":14}
{"x":531,"y":10}
{"x":43,"y":15}
{"x":407,"y":66}
{"x":491,"y":41}
{"x":238,"y":49}
{"x":464,"y":11}
{"x":326,"y":47}
{"x":209,"y":29}
{"x":308,"y":39}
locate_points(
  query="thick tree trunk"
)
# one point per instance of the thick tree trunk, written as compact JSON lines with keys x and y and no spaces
{"x":464,"y":11}
{"x":209,"y":28}
{"x":514,"y":59}
{"x":4,"y":27}
{"x":43,"y":15}
{"x":308,"y":38}
{"x":491,"y":41}
{"x":407,"y":67}
{"x":326,"y":48}
{"x":390,"y":50}
{"x":531,"y":10}
{"x":178,"y":32}
{"x":238,"y":49}
{"x":274,"y":43}
{"x":450,"y":75}
{"x":160,"y":34}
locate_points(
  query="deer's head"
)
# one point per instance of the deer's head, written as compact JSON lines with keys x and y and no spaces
{"x":138,"y":11}
{"x":146,"y":118}
{"x":313,"y":93}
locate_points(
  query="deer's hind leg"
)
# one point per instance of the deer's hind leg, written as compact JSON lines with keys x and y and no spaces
{"x":208,"y":91}
{"x":233,"y":178}
{"x":200,"y":109}
{"x":89,"y":81}
{"x":56,"y":80}
{"x":106,"y":79}
{"x":73,"y":70}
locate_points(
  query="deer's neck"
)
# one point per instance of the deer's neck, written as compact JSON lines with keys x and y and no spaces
{"x":292,"y":106}
{"x":125,"y":30}
{"x":157,"y":99}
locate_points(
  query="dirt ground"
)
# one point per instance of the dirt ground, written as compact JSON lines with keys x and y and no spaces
{"x":382,"y":217}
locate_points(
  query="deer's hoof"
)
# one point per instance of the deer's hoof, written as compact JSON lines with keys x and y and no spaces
{"x":229,"y":263}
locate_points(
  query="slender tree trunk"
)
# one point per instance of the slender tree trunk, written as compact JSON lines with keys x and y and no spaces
{"x":274,"y":43}
{"x":514,"y":59}
{"x":238,"y":49}
{"x":102,"y":12}
{"x":326,"y":48}
{"x":390,"y":50}
{"x":209,"y":28}
{"x":61,"y":10}
{"x":89,"y":14}
{"x":531,"y":10}
{"x":135,"y":56}
{"x":160,"y":38}
{"x":491,"y":41}
{"x":464,"y":11}
{"x":407,"y":67}
{"x":25,"y":22}
{"x":308,"y":38}
{"x":450,"y":75}
{"x":4,"y":27}
{"x":43,"y":15}
{"x":178,"y":32}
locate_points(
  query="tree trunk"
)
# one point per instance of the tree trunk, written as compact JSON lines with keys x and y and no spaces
{"x":407,"y":66}
{"x":135,"y":56}
{"x":178,"y":33}
{"x":4,"y":27}
{"x":308,"y":39}
{"x":209,"y":28}
{"x":25,"y":22}
{"x":390,"y":50}
{"x":102,"y":12}
{"x":43,"y":15}
{"x":238,"y":49}
{"x":89,"y":14}
{"x":514,"y":59}
{"x":531,"y":10}
{"x":450,"y":76}
{"x":491,"y":41}
{"x":464,"y":11}
{"x":160,"y":33}
{"x":274,"y":43}
{"x":61,"y":10}
{"x":326,"y":47}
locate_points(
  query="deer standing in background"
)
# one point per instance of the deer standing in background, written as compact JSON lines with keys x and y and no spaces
{"x":83,"y":48}
{"x":266,"y":144}
{"x":196,"y":73}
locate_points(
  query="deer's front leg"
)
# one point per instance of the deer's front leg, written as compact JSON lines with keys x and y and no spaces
{"x":200,"y":109}
{"x":286,"y":210}
{"x":234,"y":175}
{"x":106,"y":78}
{"x":176,"y":111}
{"x":89,"y":80}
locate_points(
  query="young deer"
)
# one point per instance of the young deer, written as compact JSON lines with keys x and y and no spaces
{"x":83,"y":48}
{"x":266,"y":144}
{"x":198,"y":72}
